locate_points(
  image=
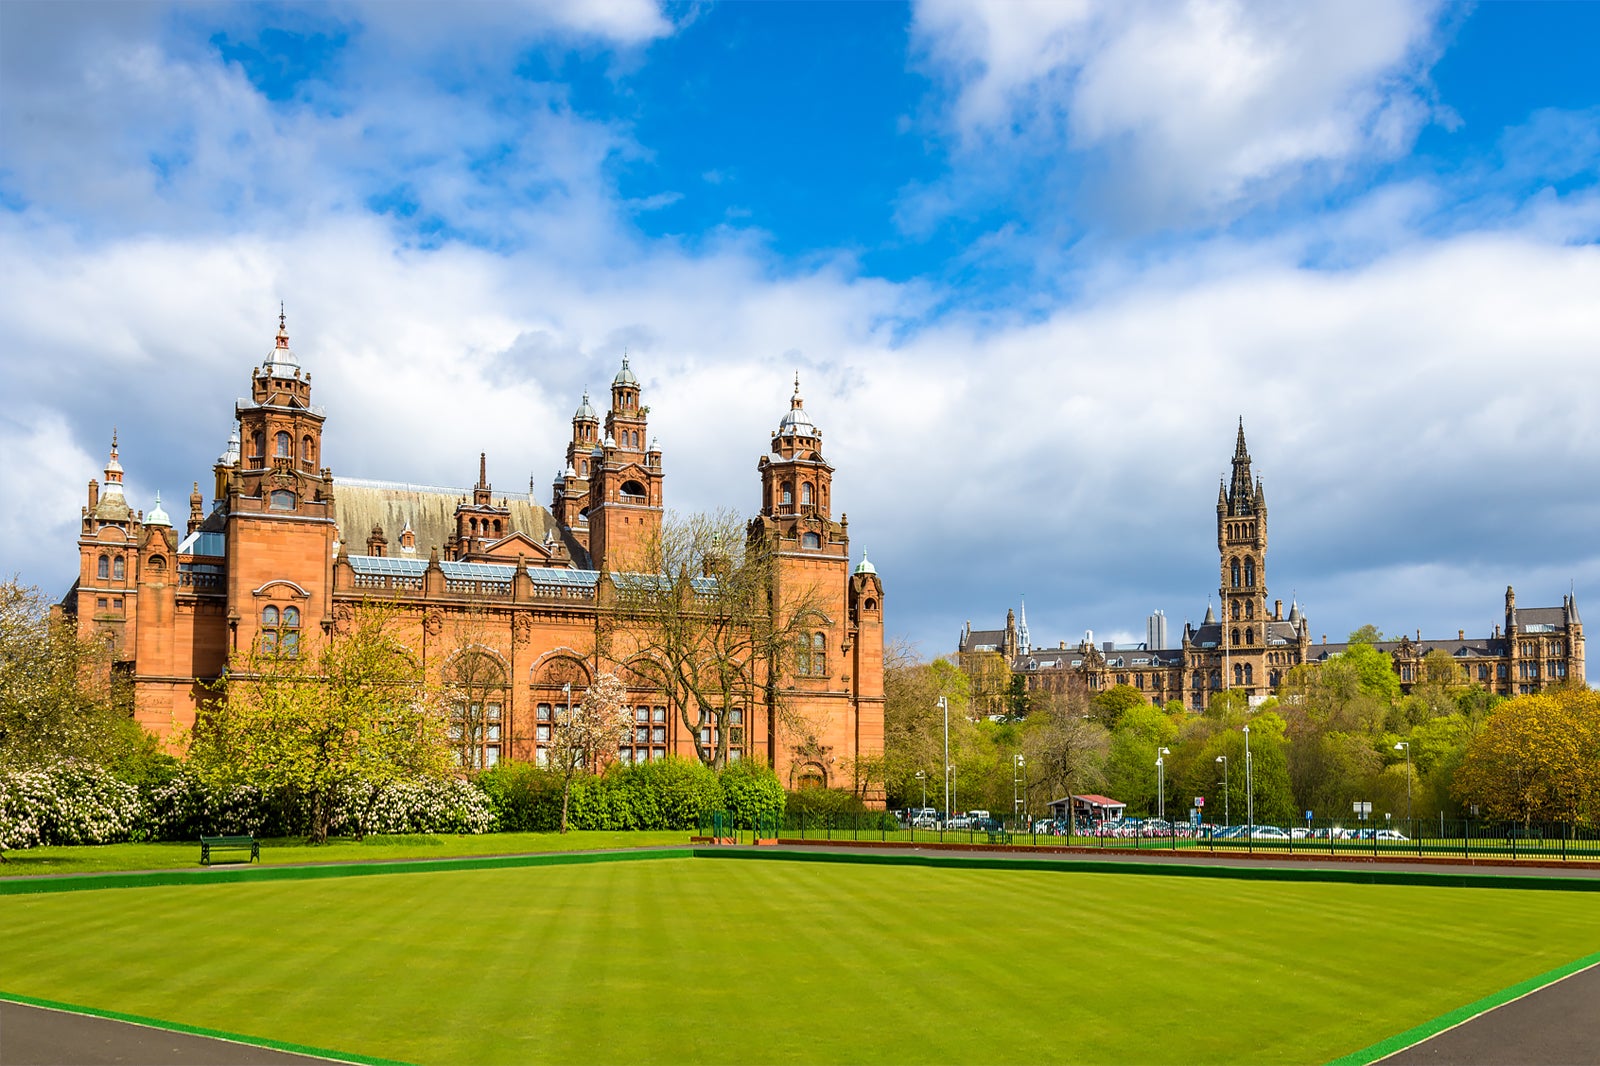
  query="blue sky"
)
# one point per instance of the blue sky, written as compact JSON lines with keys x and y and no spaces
{"x":1032,"y":263}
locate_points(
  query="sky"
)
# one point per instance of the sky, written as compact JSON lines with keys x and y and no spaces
{"x":1032,"y":262}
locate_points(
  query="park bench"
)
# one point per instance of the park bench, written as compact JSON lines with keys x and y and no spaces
{"x":244,"y":843}
{"x":999,"y":836}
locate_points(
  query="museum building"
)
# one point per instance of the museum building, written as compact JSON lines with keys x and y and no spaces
{"x":286,"y":552}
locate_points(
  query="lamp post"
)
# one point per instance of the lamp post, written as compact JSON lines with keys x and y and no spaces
{"x":922,"y":775}
{"x":1223,"y":759}
{"x":1016,"y":794}
{"x":1161,"y":782}
{"x":1249,"y":785}
{"x":1406,"y":744}
{"x":944,"y":705}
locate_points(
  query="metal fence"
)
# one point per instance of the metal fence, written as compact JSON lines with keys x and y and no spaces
{"x":1425,"y":838}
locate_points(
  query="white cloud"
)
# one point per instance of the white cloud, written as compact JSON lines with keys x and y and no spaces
{"x":1191,"y":108}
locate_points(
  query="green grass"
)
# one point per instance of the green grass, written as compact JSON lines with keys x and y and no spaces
{"x":720,"y":961}
{"x":109,"y":858}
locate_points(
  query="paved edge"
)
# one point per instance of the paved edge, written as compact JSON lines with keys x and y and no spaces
{"x":195,"y":1030}
{"x":1461,"y":1015}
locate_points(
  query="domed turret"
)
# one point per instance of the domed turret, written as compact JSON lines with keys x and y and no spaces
{"x":157,"y":516}
{"x":585,"y":412}
{"x":625,"y":375}
{"x":795,"y":422}
{"x":865,"y":565}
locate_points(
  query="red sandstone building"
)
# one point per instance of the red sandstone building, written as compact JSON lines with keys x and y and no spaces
{"x":286,"y":552}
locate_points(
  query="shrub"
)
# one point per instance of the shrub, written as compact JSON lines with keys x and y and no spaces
{"x":834,"y":807}
{"x":73,"y":803}
{"x":671,"y":793}
{"x":524,"y":798}
{"x":420,"y":805}
{"x":750,"y":790}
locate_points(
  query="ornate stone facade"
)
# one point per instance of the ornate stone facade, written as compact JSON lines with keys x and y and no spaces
{"x":477,"y":575}
{"x":1250,"y":647}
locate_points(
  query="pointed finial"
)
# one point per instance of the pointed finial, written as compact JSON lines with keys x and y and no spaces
{"x":113,"y":442}
{"x":283,"y":327}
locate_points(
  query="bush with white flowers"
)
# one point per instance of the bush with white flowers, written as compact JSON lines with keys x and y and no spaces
{"x":73,"y":803}
{"x":423,"y":805}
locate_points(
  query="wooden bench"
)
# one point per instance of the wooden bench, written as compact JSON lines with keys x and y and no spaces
{"x":211,"y":844}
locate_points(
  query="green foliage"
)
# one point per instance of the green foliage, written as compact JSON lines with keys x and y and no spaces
{"x":1374,"y":671}
{"x":834,"y":807}
{"x":1109,"y":706}
{"x":1367,"y":634}
{"x":58,"y":698}
{"x":751,"y":790}
{"x":1537,"y":758}
{"x":524,"y":797}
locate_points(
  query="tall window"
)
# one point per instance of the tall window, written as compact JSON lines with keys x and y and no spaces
{"x":119,"y":569}
{"x":308,"y":452}
{"x":813,"y":658}
{"x":281,"y":445}
{"x":805,"y":493}
{"x":1250,"y":573}
{"x":477,"y":683}
{"x":788,"y":494}
{"x":1233,"y":568}
{"x":280,"y":631}
{"x":103,"y":570}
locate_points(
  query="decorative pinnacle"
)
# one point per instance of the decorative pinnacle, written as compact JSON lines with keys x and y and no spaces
{"x":283,"y":327}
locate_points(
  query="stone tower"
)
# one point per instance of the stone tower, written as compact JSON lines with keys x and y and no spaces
{"x":624,"y":507}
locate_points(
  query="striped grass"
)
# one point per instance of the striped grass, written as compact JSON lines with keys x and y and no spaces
{"x":715,"y":961}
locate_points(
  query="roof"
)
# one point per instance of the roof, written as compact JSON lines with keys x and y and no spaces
{"x":983,"y":640}
{"x":1529,"y":617}
{"x":360,"y":504}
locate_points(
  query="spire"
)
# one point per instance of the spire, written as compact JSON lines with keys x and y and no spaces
{"x":483,"y":470}
{"x":281,"y":356}
{"x":196,"y":508}
{"x":1239,"y":451}
{"x":1022,"y":628}
{"x":1241,"y":493}
{"x":113,"y":467}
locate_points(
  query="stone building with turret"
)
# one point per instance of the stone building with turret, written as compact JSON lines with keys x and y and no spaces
{"x":285,"y":552}
{"x":1250,"y":646}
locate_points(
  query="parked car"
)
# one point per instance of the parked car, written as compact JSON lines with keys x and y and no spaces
{"x":1268,"y":832}
{"x":1391,"y":834}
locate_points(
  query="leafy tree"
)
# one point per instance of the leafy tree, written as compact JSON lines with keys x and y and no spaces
{"x":355,"y":708}
{"x":1064,"y":747}
{"x":58,"y":695}
{"x":1537,"y":758}
{"x":703,"y":619}
{"x":1109,"y":706}
{"x":1130,"y":770}
{"x":586,"y":736}
{"x":750,"y":790}
{"x":913,"y":723}
{"x":1374,"y":672}
{"x":1367,"y":634}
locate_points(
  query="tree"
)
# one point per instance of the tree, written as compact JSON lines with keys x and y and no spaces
{"x":1537,"y":757}
{"x":703,"y":619}
{"x":1063,"y":746}
{"x":913,"y":724}
{"x":59,"y":696}
{"x":581,"y":740}
{"x":1110,"y":705}
{"x":351,"y":709}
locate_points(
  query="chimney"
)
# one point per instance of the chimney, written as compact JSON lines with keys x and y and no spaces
{"x":94,"y":493}
{"x":1461,"y":634}
{"x":1277,"y":610}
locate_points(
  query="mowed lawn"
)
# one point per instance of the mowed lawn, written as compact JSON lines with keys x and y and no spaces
{"x":714,"y":960}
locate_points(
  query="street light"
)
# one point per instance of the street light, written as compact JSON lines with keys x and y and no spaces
{"x":1016,"y":797}
{"x":922,"y":775}
{"x":944,"y":705}
{"x":1249,"y":785}
{"x":1406,"y":744}
{"x":1223,"y":759}
{"x":1161,"y":782}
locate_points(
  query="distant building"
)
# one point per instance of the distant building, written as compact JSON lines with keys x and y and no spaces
{"x":1250,"y":647}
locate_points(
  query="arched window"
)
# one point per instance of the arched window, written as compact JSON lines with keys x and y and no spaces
{"x":811,"y":540}
{"x":1238,"y":674}
{"x":1249,"y":635}
{"x":308,"y":451}
{"x":1235,"y":610}
{"x":788,"y":494}
{"x":258,"y":443}
{"x":819,"y":655}
{"x":497,"y":527}
{"x":281,"y":443}
{"x":805,"y":494}
{"x":1233,"y":567}
{"x":1249,"y":674}
{"x":119,"y":569}
{"x":158,"y":564}
{"x":472,"y":524}
{"x":1250,"y":573}
{"x":1249,"y":608}
{"x":583,"y":467}
{"x":282,"y":500}
{"x":103,"y":570}
{"x":1236,"y":635}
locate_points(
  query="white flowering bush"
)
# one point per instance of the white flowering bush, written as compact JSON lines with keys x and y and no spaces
{"x":72,"y":803}
{"x":186,"y":808}
{"x":422,"y":805}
